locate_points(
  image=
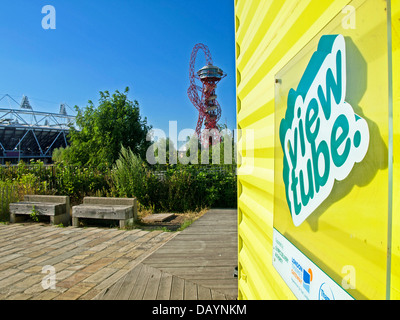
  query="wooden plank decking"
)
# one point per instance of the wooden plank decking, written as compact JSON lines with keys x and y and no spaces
{"x":198,"y":264}
{"x":85,"y":260}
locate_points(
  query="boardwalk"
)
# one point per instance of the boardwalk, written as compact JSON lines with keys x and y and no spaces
{"x":99,"y":263}
{"x":85,"y":260}
{"x":198,"y":264}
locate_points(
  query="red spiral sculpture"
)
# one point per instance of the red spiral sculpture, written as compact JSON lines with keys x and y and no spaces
{"x":204,"y":97}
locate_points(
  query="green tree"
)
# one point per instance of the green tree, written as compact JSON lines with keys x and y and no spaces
{"x":102,"y":130}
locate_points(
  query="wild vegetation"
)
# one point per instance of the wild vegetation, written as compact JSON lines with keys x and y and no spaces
{"x":177,"y":188}
{"x":106,"y":157}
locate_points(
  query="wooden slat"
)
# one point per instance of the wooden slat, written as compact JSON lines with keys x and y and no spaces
{"x":203,"y":293}
{"x":198,"y":264}
{"x":190,"y":292}
{"x":110,"y":293}
{"x":164,"y":288}
{"x":139,"y":288}
{"x":216,"y":295}
{"x":211,"y":273}
{"x":177,"y":288}
{"x":128,"y":283}
{"x":153,"y":284}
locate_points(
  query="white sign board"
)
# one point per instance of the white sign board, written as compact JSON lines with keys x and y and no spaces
{"x":306,"y":280}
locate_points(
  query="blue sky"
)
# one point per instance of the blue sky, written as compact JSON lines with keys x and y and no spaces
{"x":108,"y":45}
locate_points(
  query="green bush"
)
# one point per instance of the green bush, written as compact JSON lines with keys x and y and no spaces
{"x":77,"y":182}
{"x":173,"y":188}
{"x":178,"y":188}
{"x":99,"y":131}
{"x":59,"y":179}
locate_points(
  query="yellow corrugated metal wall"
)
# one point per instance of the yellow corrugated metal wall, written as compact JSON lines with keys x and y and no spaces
{"x":269,"y":33}
{"x":395,"y":261}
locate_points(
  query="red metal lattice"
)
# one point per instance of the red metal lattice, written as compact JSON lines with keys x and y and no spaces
{"x":204,"y":98}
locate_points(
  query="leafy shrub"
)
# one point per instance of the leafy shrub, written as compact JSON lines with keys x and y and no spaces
{"x":78,"y":182}
{"x":179,"y":188}
{"x":60,"y":179}
{"x":173,"y":188}
{"x":99,"y":131}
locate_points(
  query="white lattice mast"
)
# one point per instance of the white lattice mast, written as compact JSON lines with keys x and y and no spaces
{"x":25,"y":104}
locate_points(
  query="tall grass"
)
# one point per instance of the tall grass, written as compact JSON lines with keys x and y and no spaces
{"x":130,"y":176}
{"x":13,"y":192}
{"x":180,"y":188}
{"x":8,"y":194}
{"x":17,"y":181}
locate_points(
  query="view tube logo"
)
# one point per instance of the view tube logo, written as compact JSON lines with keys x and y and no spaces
{"x":304,"y":277}
{"x":321,"y":136}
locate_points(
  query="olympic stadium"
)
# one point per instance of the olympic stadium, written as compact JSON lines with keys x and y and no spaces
{"x":26,"y":134}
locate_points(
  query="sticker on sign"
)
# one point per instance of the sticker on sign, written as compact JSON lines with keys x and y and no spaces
{"x":306,"y":280}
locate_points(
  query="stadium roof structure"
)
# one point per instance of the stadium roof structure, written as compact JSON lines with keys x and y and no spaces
{"x":28,"y":134}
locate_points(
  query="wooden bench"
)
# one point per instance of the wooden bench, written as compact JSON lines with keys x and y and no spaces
{"x":57,"y":208}
{"x":122,"y":209}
